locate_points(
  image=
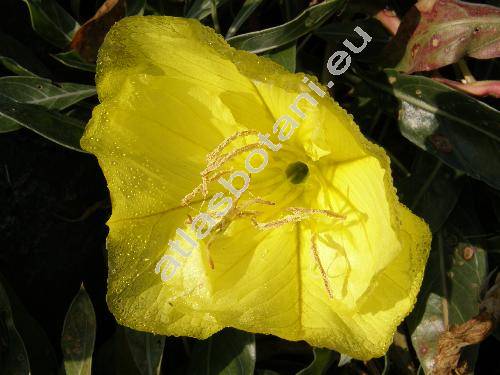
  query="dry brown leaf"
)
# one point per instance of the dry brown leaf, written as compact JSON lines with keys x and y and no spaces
{"x":90,"y":36}
{"x":473,"y":331}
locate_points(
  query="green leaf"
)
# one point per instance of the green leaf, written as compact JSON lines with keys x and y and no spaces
{"x":460,"y":130}
{"x":229,"y":352}
{"x":286,"y":57}
{"x":291,"y":8}
{"x":52,"y":22}
{"x":268,"y":39}
{"x":164,"y":7}
{"x":335,"y":33}
{"x":8,"y":125}
{"x":75,"y":8}
{"x":34,"y":90}
{"x":39,"y":91}
{"x":203,"y":8}
{"x":146,"y":349}
{"x":78,"y":335}
{"x":50,"y":124}
{"x":14,"y":360}
{"x":42,"y":359}
{"x":442,"y":32}
{"x":246,"y":11}
{"x":135,"y":7}
{"x":431,"y":191}
{"x":115,"y":356}
{"x":450,"y":294}
{"x":73,"y":60}
{"x":19,"y":59}
{"x":323,"y":358}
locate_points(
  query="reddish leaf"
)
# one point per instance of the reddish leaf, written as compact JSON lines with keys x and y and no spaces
{"x":479,"y":88}
{"x":435,"y":33}
{"x":90,"y":36}
{"x":389,"y":19}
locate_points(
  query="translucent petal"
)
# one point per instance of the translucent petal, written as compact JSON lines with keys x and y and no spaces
{"x":171,"y":91}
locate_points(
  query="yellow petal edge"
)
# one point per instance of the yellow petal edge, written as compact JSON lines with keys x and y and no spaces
{"x":171,"y":90}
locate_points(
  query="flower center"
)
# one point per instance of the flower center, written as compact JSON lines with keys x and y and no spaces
{"x":297,"y":172}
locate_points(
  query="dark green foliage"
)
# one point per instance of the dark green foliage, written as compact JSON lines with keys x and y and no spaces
{"x":444,"y":146}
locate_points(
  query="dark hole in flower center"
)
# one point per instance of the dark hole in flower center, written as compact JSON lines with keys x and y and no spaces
{"x":297,"y":172}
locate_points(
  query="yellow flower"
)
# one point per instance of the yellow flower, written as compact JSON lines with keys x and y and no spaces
{"x":316,"y":248}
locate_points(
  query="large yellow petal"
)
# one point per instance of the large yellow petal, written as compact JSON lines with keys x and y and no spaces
{"x":170,"y":92}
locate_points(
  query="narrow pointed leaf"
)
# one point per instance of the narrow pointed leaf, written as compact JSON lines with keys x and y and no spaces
{"x":229,"y":352}
{"x":73,"y":60}
{"x":8,"y":125}
{"x":14,"y":360}
{"x":50,"y":124}
{"x":115,"y":356}
{"x":307,"y":21}
{"x":203,"y":8}
{"x":41,"y":91}
{"x":78,"y":335}
{"x":460,"y":130}
{"x":335,"y":33}
{"x":323,"y":358}
{"x":18,"y":59}
{"x":246,"y":11}
{"x":478,"y":88}
{"x":286,"y":57}
{"x":52,"y":22}
{"x":42,"y":359}
{"x":135,"y":7}
{"x":450,"y":295}
{"x":431,"y":191}
{"x":146,"y":349}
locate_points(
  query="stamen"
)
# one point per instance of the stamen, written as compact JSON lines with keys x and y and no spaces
{"x":205,"y":181}
{"x":278,"y":223}
{"x":215,"y":164}
{"x":211,"y":156}
{"x":248,"y":213}
{"x":202,"y":188}
{"x":189,"y":197}
{"x":223,"y":223}
{"x":217,"y":227}
{"x":298,"y":214}
{"x":256,"y":201}
{"x":215,"y":160}
{"x":314,"y":250}
{"x":210,"y":260}
{"x":312,"y":211}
